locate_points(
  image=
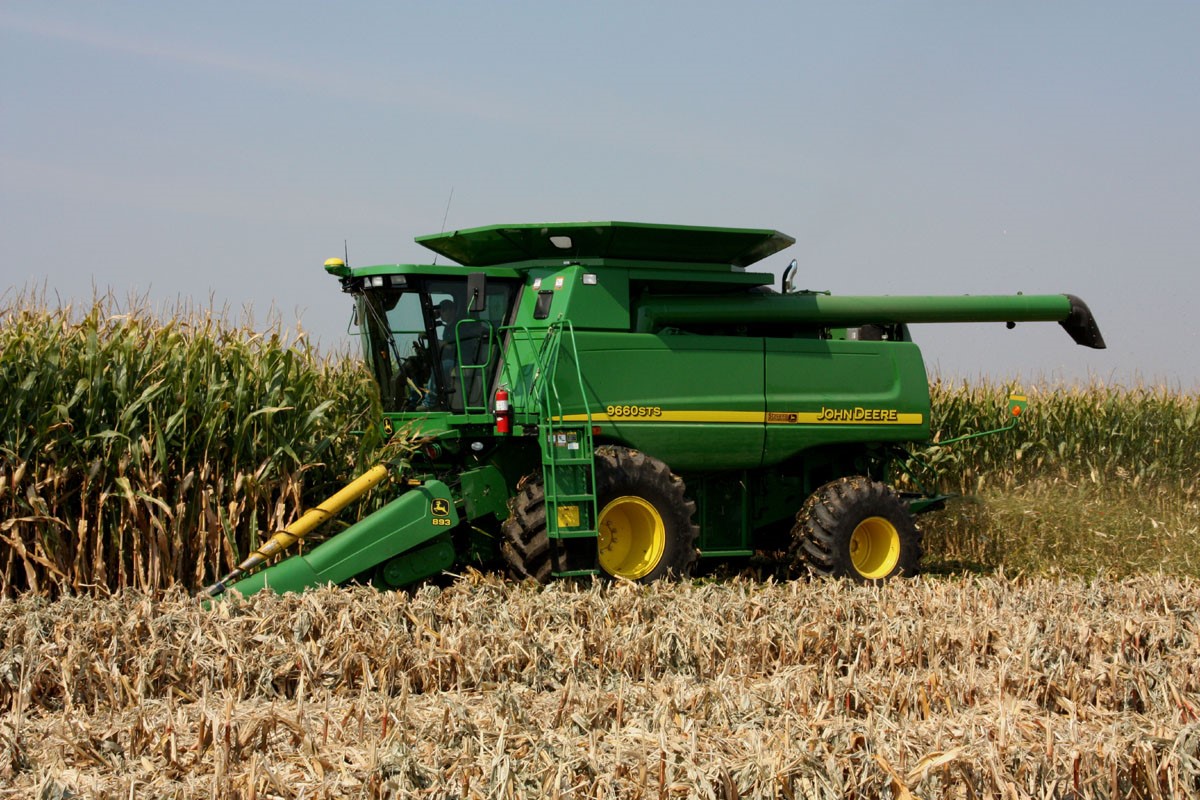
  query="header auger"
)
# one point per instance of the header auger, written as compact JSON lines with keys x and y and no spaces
{"x":627,"y":400}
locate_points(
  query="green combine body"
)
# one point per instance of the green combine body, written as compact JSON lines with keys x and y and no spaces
{"x":664,"y":405}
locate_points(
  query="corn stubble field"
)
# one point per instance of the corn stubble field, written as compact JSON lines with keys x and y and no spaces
{"x":1051,"y":650}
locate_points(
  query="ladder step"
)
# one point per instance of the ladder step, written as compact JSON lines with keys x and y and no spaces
{"x":576,"y":534}
{"x":571,"y":462}
{"x":581,"y":533}
{"x":568,"y":462}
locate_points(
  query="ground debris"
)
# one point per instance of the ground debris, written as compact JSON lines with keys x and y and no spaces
{"x":981,"y":687}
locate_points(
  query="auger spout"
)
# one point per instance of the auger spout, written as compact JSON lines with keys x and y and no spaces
{"x":1072,"y":313}
{"x":286,"y":538}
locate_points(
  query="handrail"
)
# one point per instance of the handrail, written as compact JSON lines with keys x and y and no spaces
{"x":541,"y":389}
{"x":468,"y":408}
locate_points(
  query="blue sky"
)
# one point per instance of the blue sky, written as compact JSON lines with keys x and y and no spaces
{"x":221,"y":151}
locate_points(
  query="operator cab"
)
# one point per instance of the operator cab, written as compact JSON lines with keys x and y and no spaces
{"x":433,"y":341}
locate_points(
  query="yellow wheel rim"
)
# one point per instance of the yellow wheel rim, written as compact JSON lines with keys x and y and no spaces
{"x":875,"y":548}
{"x":632,"y":538}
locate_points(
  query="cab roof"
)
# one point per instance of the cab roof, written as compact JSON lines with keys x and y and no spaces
{"x":626,"y":241}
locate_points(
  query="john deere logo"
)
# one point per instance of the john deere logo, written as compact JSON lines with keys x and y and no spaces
{"x":440,"y":507}
{"x":388,"y":428}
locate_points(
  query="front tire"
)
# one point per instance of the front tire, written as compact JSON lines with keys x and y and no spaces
{"x":526,"y":545}
{"x":645,"y":529}
{"x":645,"y":519}
{"x":858,"y":528}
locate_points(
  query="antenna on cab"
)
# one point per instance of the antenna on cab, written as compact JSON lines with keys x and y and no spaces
{"x":445,"y":217}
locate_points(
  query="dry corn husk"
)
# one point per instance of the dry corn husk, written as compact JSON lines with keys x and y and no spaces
{"x":960,"y":688}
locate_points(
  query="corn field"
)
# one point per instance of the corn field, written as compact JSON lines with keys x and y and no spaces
{"x":139,"y":451}
{"x":1140,"y":437}
{"x":1095,"y":480}
{"x":1053,"y":651}
{"x":142,"y":450}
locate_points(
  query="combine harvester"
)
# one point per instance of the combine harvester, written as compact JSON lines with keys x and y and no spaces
{"x":622,"y":399}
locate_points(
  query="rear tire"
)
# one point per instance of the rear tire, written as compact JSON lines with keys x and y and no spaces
{"x":645,"y":523}
{"x":858,"y":528}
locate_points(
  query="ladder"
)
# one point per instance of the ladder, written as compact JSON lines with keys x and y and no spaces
{"x":568,"y":462}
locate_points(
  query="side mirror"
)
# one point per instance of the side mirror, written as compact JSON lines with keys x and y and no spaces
{"x":477,"y":292}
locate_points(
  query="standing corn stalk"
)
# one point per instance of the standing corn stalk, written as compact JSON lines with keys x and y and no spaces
{"x":144,"y":452}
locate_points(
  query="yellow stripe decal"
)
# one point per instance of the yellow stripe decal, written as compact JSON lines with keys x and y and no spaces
{"x":826,"y":416}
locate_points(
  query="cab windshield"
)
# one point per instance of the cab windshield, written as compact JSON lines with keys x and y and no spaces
{"x":426,"y":350}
